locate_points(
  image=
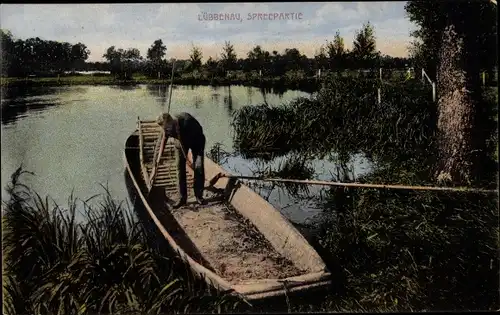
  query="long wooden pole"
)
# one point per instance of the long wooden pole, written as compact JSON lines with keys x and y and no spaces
{"x":356,"y":185}
{"x":171,"y":84}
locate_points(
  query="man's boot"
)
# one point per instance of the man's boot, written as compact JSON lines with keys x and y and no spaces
{"x":181,"y":202}
{"x":200,"y":201}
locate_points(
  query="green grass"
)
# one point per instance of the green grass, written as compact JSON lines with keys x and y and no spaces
{"x":411,"y":250}
{"x":392,"y":250}
{"x":344,"y":116}
{"x":110,"y":263}
{"x":388,"y":250}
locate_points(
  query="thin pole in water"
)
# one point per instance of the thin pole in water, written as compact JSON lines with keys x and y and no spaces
{"x":171,"y":84}
{"x":433,"y":91}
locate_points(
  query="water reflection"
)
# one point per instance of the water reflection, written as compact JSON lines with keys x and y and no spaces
{"x":249,"y":95}
{"x":160,"y":92}
{"x":263,"y":93}
{"x":126,"y":87}
{"x":78,"y":141}
{"x":299,"y":202}
{"x":228,"y":100}
{"x":197,"y":101}
{"x":13,"y":110}
{"x":215,"y":97}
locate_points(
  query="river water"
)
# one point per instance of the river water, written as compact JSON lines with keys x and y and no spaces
{"x":72,"y":138}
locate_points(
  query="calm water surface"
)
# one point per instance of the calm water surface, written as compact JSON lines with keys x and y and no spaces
{"x":72,"y":138}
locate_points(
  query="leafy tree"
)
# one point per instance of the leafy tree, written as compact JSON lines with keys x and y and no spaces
{"x":364,"y":46}
{"x":155,"y":55}
{"x":459,"y":36}
{"x":432,"y":19}
{"x":258,"y":59}
{"x":228,"y":57}
{"x":7,"y":48}
{"x":336,"y":53}
{"x":211,"y":65}
{"x":293,"y":59}
{"x":123,"y":62}
{"x":79,"y":54}
{"x":321,"y":59}
{"x":196,"y":57}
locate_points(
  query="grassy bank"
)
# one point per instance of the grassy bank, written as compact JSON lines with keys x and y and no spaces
{"x":410,"y":250}
{"x":345,"y":116}
{"x":388,"y":251}
{"x":109,"y":263}
{"x":301,"y":83}
{"x":394,"y":250}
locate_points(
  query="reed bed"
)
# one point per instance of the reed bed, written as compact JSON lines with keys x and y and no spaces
{"x":345,"y":116}
{"x":108,"y":263}
{"x":409,"y":250}
{"x":389,"y":250}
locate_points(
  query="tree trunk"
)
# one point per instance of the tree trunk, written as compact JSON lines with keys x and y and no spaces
{"x":458,"y":82}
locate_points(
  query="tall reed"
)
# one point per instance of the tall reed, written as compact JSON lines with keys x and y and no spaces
{"x":103,"y":264}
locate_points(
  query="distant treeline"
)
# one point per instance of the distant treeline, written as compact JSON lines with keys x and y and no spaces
{"x":45,"y":57}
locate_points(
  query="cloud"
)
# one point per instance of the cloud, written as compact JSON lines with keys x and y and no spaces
{"x":182,"y":25}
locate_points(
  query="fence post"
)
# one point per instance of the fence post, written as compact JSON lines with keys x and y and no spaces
{"x":423,"y":74}
{"x":433,"y":91}
{"x":484,"y":78}
{"x":380,"y":73}
{"x":379,"y":96}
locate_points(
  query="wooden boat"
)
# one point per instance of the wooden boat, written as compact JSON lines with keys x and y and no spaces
{"x":230,"y":255}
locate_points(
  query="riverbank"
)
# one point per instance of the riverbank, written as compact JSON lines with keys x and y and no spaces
{"x":309,"y":84}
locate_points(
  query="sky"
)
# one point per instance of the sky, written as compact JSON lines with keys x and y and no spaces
{"x":305,"y":26}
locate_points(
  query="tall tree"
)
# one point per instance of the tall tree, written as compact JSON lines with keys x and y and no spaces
{"x":258,"y":58}
{"x":211,"y":65}
{"x":7,"y":48}
{"x":196,"y":57}
{"x":79,"y":54}
{"x":320,"y":58}
{"x":131,"y":59}
{"x":293,"y":59}
{"x":228,"y":56}
{"x":459,"y":34}
{"x":337,"y":52}
{"x":155,"y":55}
{"x":364,"y":46}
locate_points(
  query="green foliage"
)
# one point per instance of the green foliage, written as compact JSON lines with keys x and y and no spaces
{"x":107,"y":263}
{"x":343,"y":115}
{"x":337,"y":53}
{"x":228,"y":57}
{"x":195,"y":58}
{"x":475,"y":19}
{"x":35,"y":55}
{"x":21,"y":58}
{"x":124,"y":62}
{"x":413,"y":251}
{"x":364,"y":46}
{"x":157,"y":51}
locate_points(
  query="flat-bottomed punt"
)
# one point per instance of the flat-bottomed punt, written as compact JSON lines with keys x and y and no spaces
{"x":237,"y":242}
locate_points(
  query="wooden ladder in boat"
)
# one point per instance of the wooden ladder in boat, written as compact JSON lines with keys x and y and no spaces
{"x":149,"y":141}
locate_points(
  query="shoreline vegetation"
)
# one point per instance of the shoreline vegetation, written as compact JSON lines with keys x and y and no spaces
{"x":293,"y":79}
{"x":389,"y":251}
